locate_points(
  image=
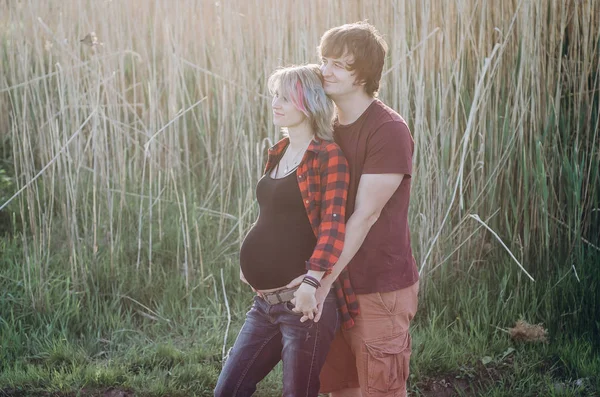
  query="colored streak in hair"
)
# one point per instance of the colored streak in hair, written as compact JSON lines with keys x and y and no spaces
{"x":298,"y":99}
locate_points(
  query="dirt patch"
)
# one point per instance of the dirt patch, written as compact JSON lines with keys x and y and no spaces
{"x":468,"y":381}
{"x":445,"y":387}
{"x":117,"y":393}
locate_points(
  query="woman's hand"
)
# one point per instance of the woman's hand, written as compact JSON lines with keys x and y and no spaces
{"x":305,"y":302}
{"x":295,"y":282}
{"x":243,"y":278}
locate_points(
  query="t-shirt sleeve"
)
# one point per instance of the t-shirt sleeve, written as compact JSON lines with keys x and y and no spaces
{"x":390,"y":150}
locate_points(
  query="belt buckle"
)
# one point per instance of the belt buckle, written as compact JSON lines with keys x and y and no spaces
{"x":274,"y":298}
{"x":278,"y":297}
{"x":270,"y":298}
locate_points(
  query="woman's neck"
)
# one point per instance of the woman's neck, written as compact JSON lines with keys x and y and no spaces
{"x":299,"y":136}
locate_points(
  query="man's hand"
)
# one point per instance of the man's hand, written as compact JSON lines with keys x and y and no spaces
{"x":305,"y":302}
{"x":320,"y":296}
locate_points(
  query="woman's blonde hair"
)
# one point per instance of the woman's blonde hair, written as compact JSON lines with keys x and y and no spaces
{"x":303,"y":86}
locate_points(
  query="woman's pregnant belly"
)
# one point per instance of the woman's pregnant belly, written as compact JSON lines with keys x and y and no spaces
{"x":271,"y":257}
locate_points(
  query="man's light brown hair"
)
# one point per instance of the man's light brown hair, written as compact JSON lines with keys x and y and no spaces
{"x":365,"y":44}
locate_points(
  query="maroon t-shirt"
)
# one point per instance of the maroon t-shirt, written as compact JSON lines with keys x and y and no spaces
{"x":379,"y":142}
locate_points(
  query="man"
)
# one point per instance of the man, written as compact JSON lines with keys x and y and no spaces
{"x":372,"y":357}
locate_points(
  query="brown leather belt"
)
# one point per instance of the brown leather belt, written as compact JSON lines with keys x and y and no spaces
{"x":279,"y":296}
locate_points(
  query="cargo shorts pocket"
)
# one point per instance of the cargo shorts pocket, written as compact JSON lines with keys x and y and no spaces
{"x":388,"y":361}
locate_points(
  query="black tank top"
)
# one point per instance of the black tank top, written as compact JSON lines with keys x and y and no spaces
{"x":277,"y":247}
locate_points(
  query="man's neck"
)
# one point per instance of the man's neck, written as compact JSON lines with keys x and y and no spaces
{"x":350,"y":108}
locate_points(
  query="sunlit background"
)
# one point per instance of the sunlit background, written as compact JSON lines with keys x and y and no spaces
{"x":132,"y":134}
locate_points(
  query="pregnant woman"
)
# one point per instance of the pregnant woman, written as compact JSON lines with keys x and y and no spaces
{"x":299,"y":235}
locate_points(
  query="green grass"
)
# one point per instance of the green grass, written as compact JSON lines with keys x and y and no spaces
{"x":155,"y":339}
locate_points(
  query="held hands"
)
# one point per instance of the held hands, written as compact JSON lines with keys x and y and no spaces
{"x":309,"y":293}
{"x":305,"y":301}
{"x":320,"y":296}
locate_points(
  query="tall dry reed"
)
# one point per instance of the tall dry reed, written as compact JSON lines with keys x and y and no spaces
{"x":151,"y":134}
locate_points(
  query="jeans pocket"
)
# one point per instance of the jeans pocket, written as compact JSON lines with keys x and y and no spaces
{"x":388,"y":361}
{"x":288,"y":306}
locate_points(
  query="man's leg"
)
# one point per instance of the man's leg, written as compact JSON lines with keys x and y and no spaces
{"x":339,"y":371}
{"x":379,"y":343}
{"x":347,"y":393}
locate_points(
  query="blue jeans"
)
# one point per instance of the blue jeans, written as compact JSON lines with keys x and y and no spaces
{"x":272,"y":333}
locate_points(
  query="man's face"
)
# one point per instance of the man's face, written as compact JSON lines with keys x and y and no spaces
{"x":339,"y":81}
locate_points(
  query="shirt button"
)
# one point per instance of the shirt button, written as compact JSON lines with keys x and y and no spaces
{"x":334,"y":215}
{"x":306,"y":201}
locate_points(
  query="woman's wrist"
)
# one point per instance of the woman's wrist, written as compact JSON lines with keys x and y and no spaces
{"x":312,"y":281}
{"x":307,"y":288}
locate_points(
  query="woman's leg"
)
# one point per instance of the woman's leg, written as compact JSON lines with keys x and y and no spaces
{"x":255,"y":352}
{"x":305,"y":346}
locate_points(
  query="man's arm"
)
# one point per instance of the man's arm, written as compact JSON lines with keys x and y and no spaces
{"x":374,"y":191}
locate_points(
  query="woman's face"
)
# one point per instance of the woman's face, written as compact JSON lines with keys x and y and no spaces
{"x":285,"y":114}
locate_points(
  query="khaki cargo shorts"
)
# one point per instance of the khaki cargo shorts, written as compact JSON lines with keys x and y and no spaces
{"x":374,"y":354}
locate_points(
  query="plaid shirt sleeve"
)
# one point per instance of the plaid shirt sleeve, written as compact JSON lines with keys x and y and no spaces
{"x":335,"y":179}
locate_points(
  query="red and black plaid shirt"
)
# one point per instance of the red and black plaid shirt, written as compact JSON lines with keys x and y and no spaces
{"x":323,"y":177}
